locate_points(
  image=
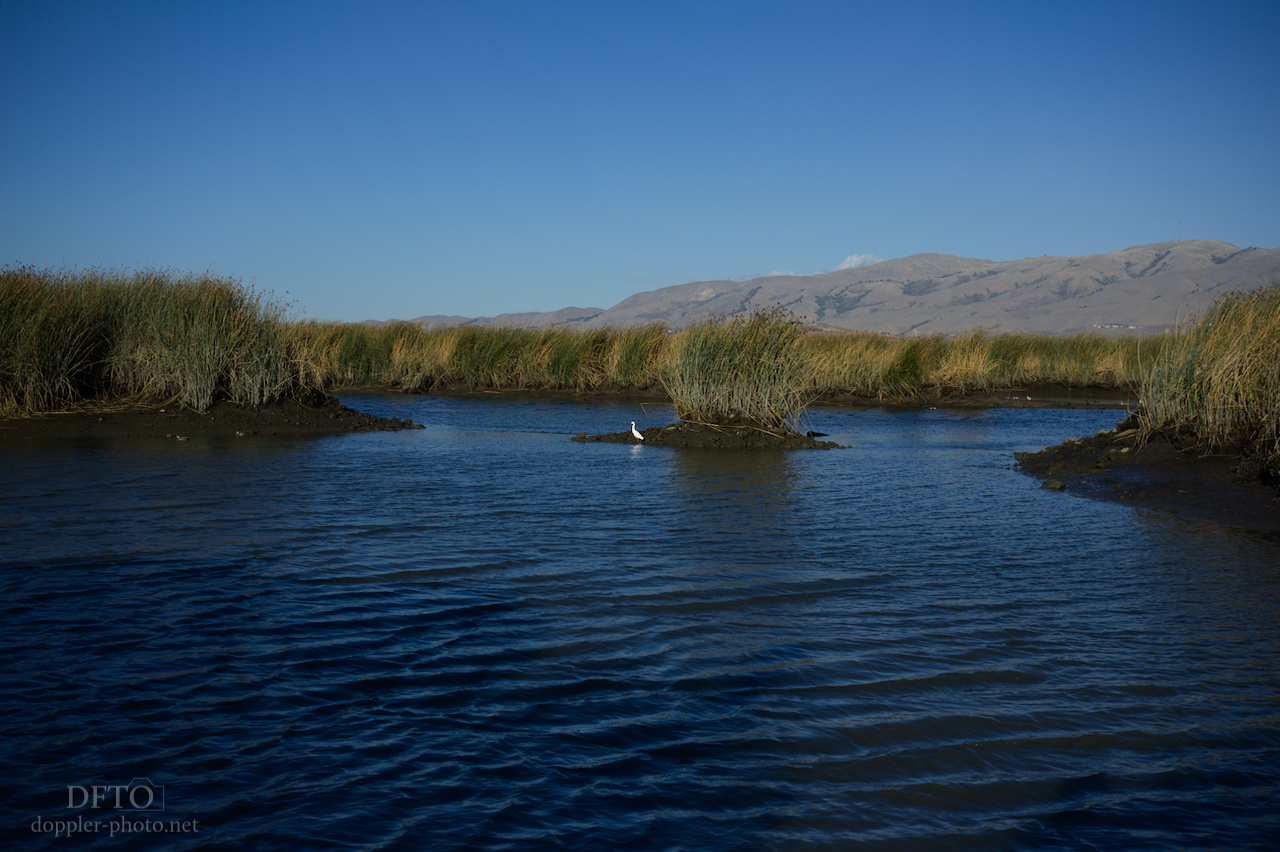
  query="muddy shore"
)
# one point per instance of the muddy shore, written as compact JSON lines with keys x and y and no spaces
{"x":705,"y":437}
{"x":287,"y":418}
{"x":1174,"y":474}
{"x":1030,"y":396}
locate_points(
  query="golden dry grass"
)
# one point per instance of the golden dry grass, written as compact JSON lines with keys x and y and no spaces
{"x":65,"y":338}
{"x":740,"y":370}
{"x":1220,"y":377}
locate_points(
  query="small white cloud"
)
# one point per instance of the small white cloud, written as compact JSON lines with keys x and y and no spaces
{"x":855,"y":260}
{"x":741,"y":278}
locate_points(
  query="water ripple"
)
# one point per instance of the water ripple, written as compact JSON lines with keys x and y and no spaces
{"x":481,"y":636}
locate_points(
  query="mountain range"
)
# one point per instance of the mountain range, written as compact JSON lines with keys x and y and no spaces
{"x":1143,"y":289}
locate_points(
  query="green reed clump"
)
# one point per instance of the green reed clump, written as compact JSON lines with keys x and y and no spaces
{"x":735,"y":370}
{"x":52,"y":344}
{"x":638,"y":355}
{"x":1220,"y":378}
{"x":198,"y":339}
{"x":915,"y":360}
{"x":67,"y":338}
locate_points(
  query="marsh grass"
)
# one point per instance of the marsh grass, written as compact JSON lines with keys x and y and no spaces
{"x":902,"y":368}
{"x":408,"y":356}
{"x":1220,"y":378}
{"x":66,"y":338}
{"x":70,"y":337}
{"x":752,"y":371}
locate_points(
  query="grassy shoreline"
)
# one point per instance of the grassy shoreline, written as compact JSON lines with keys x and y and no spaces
{"x":1218,"y":380}
{"x":67,"y":339}
{"x":71,"y":340}
{"x":870,"y":365}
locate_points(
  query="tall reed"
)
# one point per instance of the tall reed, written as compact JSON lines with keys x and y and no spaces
{"x":69,"y":337}
{"x":1220,"y":378}
{"x":735,"y":370}
{"x":899,"y":368}
{"x":482,"y":357}
{"x":864,"y":363}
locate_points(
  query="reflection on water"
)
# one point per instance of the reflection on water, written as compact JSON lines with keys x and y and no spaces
{"x":722,"y":502}
{"x":484,"y":635}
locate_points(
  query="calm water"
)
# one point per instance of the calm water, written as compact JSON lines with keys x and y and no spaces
{"x":482,"y":635}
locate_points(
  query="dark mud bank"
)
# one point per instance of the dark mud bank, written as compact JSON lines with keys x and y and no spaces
{"x":698,"y":436}
{"x":1175,"y":474}
{"x":1030,"y":396}
{"x":323,"y":415}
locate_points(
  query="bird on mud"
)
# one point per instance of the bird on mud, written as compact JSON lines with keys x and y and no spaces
{"x":636,"y":432}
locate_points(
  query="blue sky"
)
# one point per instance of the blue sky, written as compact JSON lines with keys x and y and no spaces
{"x":378,"y":160}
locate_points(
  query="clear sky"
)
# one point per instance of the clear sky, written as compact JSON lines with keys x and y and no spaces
{"x":384,"y":159}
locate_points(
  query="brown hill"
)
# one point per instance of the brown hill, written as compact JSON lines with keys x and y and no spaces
{"x":1140,"y":289}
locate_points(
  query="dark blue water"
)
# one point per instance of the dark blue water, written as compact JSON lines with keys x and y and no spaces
{"x":482,"y":635}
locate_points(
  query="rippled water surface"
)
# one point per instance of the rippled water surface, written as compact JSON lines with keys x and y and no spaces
{"x":482,"y":635}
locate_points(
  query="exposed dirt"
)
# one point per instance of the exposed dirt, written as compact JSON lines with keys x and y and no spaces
{"x":286,"y":418}
{"x":1030,"y":396}
{"x":1177,"y":474}
{"x":701,"y":436}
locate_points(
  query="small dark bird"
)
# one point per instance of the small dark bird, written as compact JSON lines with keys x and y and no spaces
{"x":816,"y":434}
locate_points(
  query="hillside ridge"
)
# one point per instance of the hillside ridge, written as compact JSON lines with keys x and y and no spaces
{"x":1140,"y":289}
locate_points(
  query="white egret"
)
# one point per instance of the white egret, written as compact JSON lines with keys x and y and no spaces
{"x":636,"y":432}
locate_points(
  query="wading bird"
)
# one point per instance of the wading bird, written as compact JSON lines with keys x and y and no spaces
{"x":636,"y":432}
